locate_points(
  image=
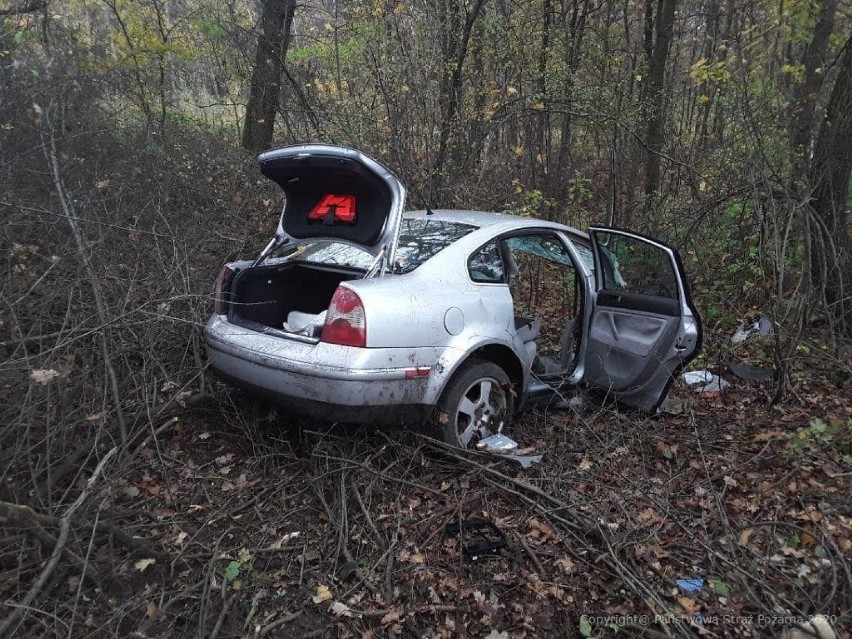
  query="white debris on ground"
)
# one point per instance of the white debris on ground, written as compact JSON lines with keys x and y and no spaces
{"x":505,"y":447}
{"x":761,"y":328}
{"x":705,"y":381}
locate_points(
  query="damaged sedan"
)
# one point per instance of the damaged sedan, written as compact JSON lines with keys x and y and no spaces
{"x":360,"y":311}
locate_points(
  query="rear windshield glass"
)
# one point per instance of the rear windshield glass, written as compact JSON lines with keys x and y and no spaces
{"x":422,"y":239}
{"x":419,"y":240}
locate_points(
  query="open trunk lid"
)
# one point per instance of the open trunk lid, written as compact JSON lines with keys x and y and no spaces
{"x":336,"y":193}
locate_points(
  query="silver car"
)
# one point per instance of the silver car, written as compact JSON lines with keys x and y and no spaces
{"x":357,"y":311}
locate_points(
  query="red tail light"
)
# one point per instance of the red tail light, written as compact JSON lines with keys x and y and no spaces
{"x":220,"y":296}
{"x":345,"y":322}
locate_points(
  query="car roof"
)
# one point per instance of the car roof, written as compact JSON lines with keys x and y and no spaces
{"x":484,"y":219}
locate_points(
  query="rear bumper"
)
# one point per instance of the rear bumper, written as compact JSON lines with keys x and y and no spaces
{"x":326,"y":381}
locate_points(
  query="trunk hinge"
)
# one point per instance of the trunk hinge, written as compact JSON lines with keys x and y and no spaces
{"x":377,"y":264}
{"x":273,"y":243}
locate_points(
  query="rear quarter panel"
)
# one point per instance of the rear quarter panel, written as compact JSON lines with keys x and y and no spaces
{"x":437,"y":305}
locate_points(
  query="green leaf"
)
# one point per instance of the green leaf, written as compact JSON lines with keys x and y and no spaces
{"x":19,"y":37}
{"x":232,"y":571}
{"x":585,"y":627}
{"x":721,"y":588}
{"x":793,"y":542}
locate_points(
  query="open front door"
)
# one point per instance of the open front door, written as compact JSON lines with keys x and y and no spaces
{"x":644,"y":328}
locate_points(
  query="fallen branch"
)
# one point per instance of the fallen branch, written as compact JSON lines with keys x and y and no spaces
{"x":36,"y":521}
{"x":64,"y":529}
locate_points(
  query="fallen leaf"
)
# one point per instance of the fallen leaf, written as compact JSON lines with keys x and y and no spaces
{"x":688,"y":604}
{"x":143,"y":564}
{"x":44,"y":376}
{"x":808,"y":539}
{"x":151,"y":610}
{"x":566,"y":565}
{"x":650,"y":516}
{"x":340,"y":609}
{"x":393,"y":616}
{"x":540,"y":529}
{"x":322,"y":594}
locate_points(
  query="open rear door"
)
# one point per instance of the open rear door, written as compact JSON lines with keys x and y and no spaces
{"x":644,"y":328}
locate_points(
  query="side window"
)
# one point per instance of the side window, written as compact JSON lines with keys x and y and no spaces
{"x":485,"y":265}
{"x":635,"y":266}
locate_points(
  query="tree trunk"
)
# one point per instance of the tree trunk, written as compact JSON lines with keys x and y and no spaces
{"x":265,"y":92}
{"x":573,"y":50}
{"x":455,"y":48}
{"x":829,"y":175}
{"x":805,"y":96}
{"x":656,"y":94}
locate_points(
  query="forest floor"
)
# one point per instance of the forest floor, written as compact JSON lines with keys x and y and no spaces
{"x":249,"y":527}
{"x":222,"y":518}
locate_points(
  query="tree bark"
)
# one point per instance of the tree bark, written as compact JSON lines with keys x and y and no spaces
{"x":455,"y":48}
{"x":656,"y":94}
{"x":276,"y":20}
{"x":805,"y":96}
{"x":829,"y":174}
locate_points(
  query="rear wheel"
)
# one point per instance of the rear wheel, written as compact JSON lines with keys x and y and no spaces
{"x":476,"y":402}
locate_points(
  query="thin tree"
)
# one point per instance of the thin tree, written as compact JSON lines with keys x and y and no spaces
{"x":276,"y":20}
{"x":829,"y":174}
{"x":655,"y":98}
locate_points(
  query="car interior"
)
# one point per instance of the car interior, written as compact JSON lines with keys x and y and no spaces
{"x":547,"y":298}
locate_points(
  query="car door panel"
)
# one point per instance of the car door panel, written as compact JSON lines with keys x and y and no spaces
{"x":643,"y":327}
{"x":634,"y":333}
{"x":639,"y":302}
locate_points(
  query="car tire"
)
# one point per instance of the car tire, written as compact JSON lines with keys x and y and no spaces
{"x":477,"y":399}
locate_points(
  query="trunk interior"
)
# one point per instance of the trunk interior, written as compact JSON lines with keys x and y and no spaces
{"x":268,"y":295}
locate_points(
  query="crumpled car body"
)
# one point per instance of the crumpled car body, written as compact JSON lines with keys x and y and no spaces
{"x":360,"y":311}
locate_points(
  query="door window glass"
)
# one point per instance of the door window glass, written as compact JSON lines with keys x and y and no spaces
{"x":636,"y":266}
{"x":485,"y":266}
